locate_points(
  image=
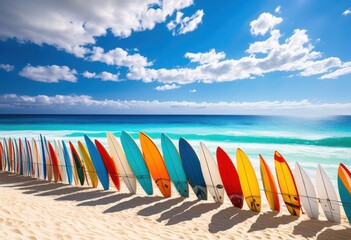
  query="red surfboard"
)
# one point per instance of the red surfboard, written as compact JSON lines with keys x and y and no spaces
{"x":109,"y":163}
{"x":55,"y":163}
{"x":230,"y":178}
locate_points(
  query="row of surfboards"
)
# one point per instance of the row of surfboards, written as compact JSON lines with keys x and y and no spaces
{"x":58,"y":162}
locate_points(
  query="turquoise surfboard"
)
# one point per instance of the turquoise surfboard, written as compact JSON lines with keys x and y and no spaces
{"x":136,"y":162}
{"x":174,"y":165}
{"x":99,"y":165}
{"x":192,"y":169}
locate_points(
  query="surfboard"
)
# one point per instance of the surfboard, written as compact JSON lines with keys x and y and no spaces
{"x":7,"y":160}
{"x":55,"y":163}
{"x":174,"y":165}
{"x":155,"y":164}
{"x":23,"y":158}
{"x":78,"y":163}
{"x":248,"y":181}
{"x":211,"y":174}
{"x":99,"y":165}
{"x":192,"y":169}
{"x":11,"y":155}
{"x":36,"y":159}
{"x":327,"y":196}
{"x":16,"y":155}
{"x":308,"y":195}
{"x":88,"y":163}
{"x":287,"y":185}
{"x":43,"y":156}
{"x":20,"y":157}
{"x":344,"y":185}
{"x":29,"y":157}
{"x":118,"y":156}
{"x":230,"y":178}
{"x":68,"y":164}
{"x":49,"y":165}
{"x":270,"y":188}
{"x":109,"y":163}
{"x":136,"y":162}
{"x":62,"y":167}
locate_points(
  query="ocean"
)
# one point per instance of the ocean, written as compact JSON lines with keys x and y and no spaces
{"x":309,"y":141}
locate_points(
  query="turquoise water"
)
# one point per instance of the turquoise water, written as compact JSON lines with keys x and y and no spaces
{"x":307,"y":140}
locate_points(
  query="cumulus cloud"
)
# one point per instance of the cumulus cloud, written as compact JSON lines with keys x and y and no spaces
{"x":7,"y":67}
{"x":344,"y":70}
{"x":167,"y":87}
{"x":204,"y":58}
{"x":184,"y":25}
{"x":49,"y":74}
{"x":192,"y":90}
{"x":104,"y":76}
{"x":346,"y":12}
{"x":118,"y":57}
{"x":264,"y":23}
{"x":86,"y":104}
{"x":295,"y":53}
{"x":72,"y":25}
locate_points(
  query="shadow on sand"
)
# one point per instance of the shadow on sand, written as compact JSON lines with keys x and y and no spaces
{"x":311,"y":227}
{"x":133,"y":203}
{"x":339,"y":234}
{"x":193,"y":212}
{"x":270,"y":220}
{"x":159,"y":207}
{"x":176,"y":210}
{"x":227,"y":218}
{"x":106,"y":200}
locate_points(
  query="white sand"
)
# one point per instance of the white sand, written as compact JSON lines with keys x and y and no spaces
{"x":32,"y":209}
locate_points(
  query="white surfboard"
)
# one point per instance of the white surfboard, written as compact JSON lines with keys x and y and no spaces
{"x":211,"y":175}
{"x":307,"y":192}
{"x":118,"y":156}
{"x":327,"y":196}
{"x":59,"y":151}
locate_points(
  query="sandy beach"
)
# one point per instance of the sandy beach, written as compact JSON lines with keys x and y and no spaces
{"x":35,"y":209}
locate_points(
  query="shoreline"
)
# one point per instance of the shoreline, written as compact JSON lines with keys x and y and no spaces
{"x":37,"y":209}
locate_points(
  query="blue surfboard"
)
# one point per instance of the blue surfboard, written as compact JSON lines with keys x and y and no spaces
{"x":67,"y":162}
{"x":174,"y":165}
{"x":99,"y":165}
{"x":136,"y":162}
{"x":16,"y":156}
{"x":43,"y":156}
{"x":192,"y":169}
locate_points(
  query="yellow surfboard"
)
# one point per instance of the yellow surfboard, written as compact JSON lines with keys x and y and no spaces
{"x":248,"y":181}
{"x":270,"y":188}
{"x":89,"y":164}
{"x":287,"y":185}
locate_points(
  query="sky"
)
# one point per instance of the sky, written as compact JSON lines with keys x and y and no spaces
{"x":175,"y":57}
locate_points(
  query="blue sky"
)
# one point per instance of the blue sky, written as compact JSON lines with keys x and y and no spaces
{"x":203,"y":57}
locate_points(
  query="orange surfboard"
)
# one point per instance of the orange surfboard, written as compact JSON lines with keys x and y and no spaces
{"x":156,"y":165}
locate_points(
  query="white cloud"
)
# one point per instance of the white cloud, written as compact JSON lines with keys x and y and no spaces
{"x":167,"y":87}
{"x":12,"y":103}
{"x":49,"y":74}
{"x":207,"y":57}
{"x":344,"y":70}
{"x":346,"y":12}
{"x":264,"y":23}
{"x":192,"y":91}
{"x":104,"y":76}
{"x":277,"y":9}
{"x":7,"y":67}
{"x":118,"y":57}
{"x":184,"y":25}
{"x":87,"y":74}
{"x":72,"y":25}
{"x":295,"y":53}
